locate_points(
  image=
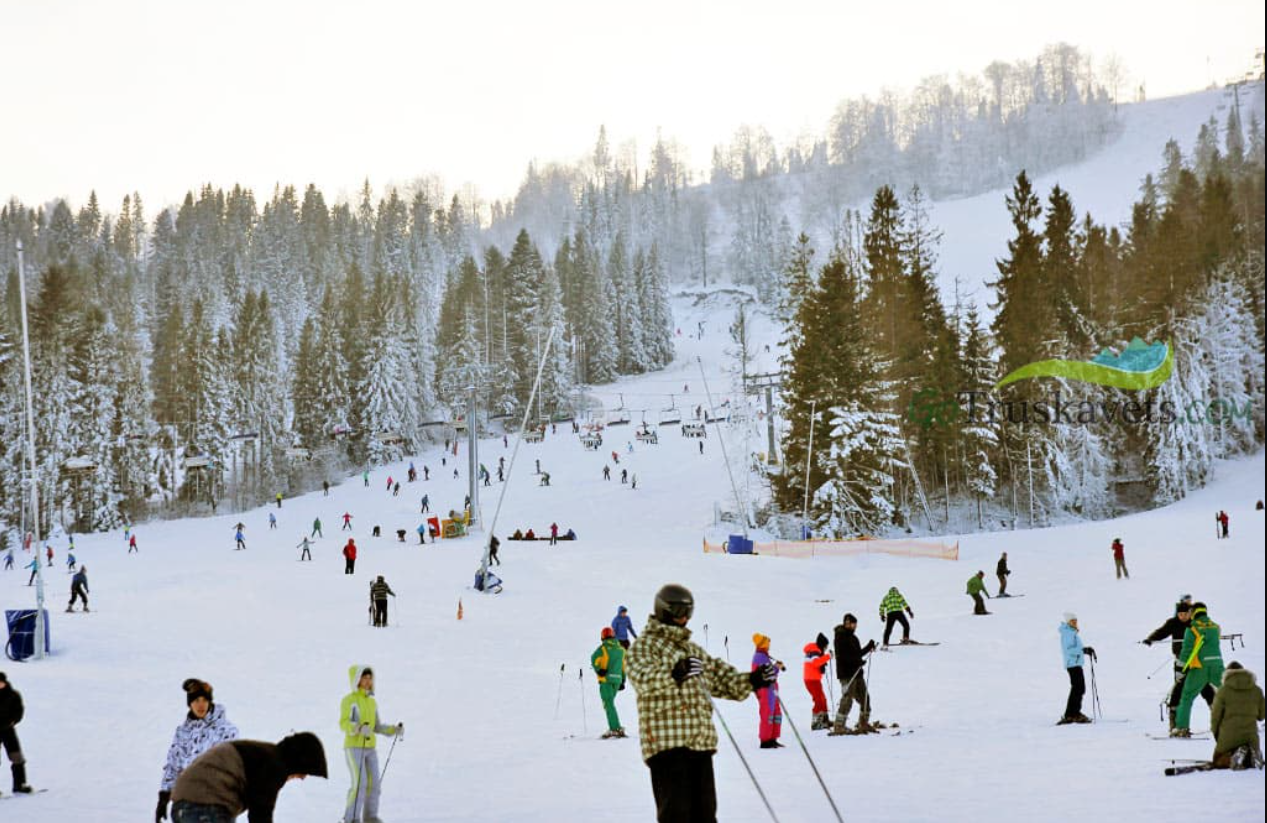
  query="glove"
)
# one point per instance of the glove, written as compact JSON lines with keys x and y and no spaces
{"x":1089,"y":652}
{"x":911,"y":613}
{"x":870,"y":647}
{"x":762,"y":677}
{"x":160,"y":811}
{"x":365,"y":730}
{"x":400,"y":729}
{"x":1148,"y":642}
{"x":687,"y":668}
{"x":601,"y":672}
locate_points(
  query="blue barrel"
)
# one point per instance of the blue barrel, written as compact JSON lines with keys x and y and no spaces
{"x":21,"y":623}
{"x":736,"y":544}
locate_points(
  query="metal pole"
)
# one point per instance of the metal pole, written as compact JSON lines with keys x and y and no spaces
{"x":808,"y":455}
{"x":721,"y":441}
{"x":472,"y":447}
{"x":771,"y":458}
{"x":30,"y":442}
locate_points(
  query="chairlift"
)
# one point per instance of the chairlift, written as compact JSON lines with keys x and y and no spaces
{"x":672,"y":415}
{"x":244,"y":436}
{"x":79,"y":465}
{"x":389,"y":438}
{"x":197,"y":462}
{"x":619,"y":416}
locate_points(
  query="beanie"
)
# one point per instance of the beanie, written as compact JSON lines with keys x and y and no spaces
{"x":303,"y":754}
{"x":761,"y":642}
{"x":194,"y":689}
{"x":849,"y":618}
{"x":1069,"y":617}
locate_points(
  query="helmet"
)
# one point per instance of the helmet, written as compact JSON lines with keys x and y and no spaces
{"x":673,"y":601}
{"x":607,"y":633}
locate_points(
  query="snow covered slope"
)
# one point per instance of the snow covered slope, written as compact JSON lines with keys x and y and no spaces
{"x":275,"y":638}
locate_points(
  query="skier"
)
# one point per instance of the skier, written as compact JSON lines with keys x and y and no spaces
{"x":1073,"y":651}
{"x":325,"y":488}
{"x":1002,"y":571}
{"x":545,"y":478}
{"x":347,"y":522}
{"x":349,"y":557}
{"x":624,"y":476}
{"x":501,"y":475}
{"x":48,"y":550}
{"x":358,"y":718}
{"x":426,"y":504}
{"x":455,"y":473}
{"x":608,"y":662}
{"x":70,"y":561}
{"x":623,"y":627}
{"x":1223,"y":522}
{"x":607,"y":473}
{"x":616,"y":458}
{"x":34,"y":566}
{"x":1202,"y":664}
{"x":675,"y":681}
{"x":272,"y":520}
{"x":244,"y":775}
{"x":850,"y":661}
{"x":493,"y":544}
{"x":132,"y":544}
{"x":633,"y":482}
{"x":1119,"y":558}
{"x":422,"y":533}
{"x":239,"y":539}
{"x":305,"y":547}
{"x":1234,"y":719}
{"x":8,"y":560}
{"x":1175,"y":628}
{"x":816,"y":662}
{"x":701,"y":447}
{"x":768,"y":696}
{"x":554,"y":534}
{"x":426,"y":472}
{"x":389,"y":482}
{"x":205,"y":725}
{"x":11,"y":712}
{"x":79,"y":589}
{"x":365,"y":478}
{"x":891,"y":613}
{"x":378,"y":598}
{"x":316,"y":528}
{"x":629,"y":446}
{"x":396,"y":489}
{"x":976,"y":588}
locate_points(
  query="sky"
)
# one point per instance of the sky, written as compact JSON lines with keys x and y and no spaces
{"x":160,"y":97}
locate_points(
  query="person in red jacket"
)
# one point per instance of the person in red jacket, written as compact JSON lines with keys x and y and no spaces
{"x":1119,"y":558}
{"x":347,"y":522}
{"x":816,"y":661}
{"x":349,"y":554}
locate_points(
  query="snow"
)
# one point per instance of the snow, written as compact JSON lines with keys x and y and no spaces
{"x":275,"y":637}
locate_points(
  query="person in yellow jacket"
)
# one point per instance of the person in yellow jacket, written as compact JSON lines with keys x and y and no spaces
{"x":358,"y":718}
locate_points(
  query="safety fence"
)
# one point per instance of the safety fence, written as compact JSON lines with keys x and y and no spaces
{"x":846,"y":548}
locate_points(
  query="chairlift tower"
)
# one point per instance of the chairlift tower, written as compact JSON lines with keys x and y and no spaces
{"x":30,"y":442}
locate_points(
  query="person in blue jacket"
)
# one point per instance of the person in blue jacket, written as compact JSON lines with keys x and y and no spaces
{"x":1073,"y":652}
{"x":623,"y":626}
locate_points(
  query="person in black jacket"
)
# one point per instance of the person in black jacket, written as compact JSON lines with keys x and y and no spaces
{"x":850,"y":660}
{"x":1002,"y":571}
{"x":11,"y":712}
{"x":378,"y":598}
{"x":244,"y":776}
{"x":1174,"y":629}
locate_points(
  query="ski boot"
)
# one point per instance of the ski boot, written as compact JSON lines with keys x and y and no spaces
{"x":838,"y":728}
{"x":19,"y":779}
{"x":771,"y":744}
{"x":1182,"y":733}
{"x":1081,"y":718}
{"x":620,"y":732}
{"x":608,"y":735}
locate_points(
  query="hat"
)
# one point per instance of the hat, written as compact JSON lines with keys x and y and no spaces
{"x":607,"y":633}
{"x":621,"y":609}
{"x":761,"y":641}
{"x":194,"y":689}
{"x":1235,"y":664}
{"x":1185,"y":598}
{"x":848,"y":618}
{"x":1069,"y":617}
{"x":303,"y":754}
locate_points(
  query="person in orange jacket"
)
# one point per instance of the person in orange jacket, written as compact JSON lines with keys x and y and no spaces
{"x":816,"y":662}
{"x":349,"y":555}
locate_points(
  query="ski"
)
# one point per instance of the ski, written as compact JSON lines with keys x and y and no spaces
{"x":21,"y":794}
{"x":916,"y":643}
{"x":1168,"y":737}
{"x":997,"y":596}
{"x":1172,"y":771}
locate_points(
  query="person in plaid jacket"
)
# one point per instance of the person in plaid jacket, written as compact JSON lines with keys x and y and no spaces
{"x":891,"y":612}
{"x":675,"y":681}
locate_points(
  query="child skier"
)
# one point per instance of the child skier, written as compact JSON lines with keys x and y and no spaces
{"x":358,"y":718}
{"x":608,"y":662}
{"x":768,"y":707}
{"x":816,"y":661}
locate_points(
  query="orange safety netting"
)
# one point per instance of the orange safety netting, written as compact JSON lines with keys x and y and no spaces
{"x":847,"y":548}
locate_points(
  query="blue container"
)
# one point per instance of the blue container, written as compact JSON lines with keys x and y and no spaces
{"x":21,"y":623}
{"x":736,"y":544}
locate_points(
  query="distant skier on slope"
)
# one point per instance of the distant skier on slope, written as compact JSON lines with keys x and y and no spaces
{"x":1002,"y":571}
{"x":976,"y":588}
{"x":378,"y":599}
{"x":79,"y":589}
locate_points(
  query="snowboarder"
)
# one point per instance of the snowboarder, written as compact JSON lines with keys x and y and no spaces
{"x":246,"y":775}
{"x":349,"y":557}
{"x":305,"y":549}
{"x":816,"y":662}
{"x":132,"y":544}
{"x":976,"y":588}
{"x":426,"y":504}
{"x":358,"y":718}
{"x":325,"y":488}
{"x":891,"y":613}
{"x":11,"y":712}
{"x":272,"y":520}
{"x":493,"y":544}
{"x":1222,"y":518}
{"x":554,"y":534}
{"x":1202,"y":664}
{"x":378,"y":598}
{"x":205,"y":725}
{"x":347,"y":522}
{"x":1002,"y":571}
{"x":1119,"y":558}
{"x":1234,"y":719}
{"x":78,"y":589}
{"x":608,"y":662}
{"x":239,"y":539}
{"x":607,"y":472}
{"x":850,"y":661}
{"x":1175,"y":628}
{"x":279,"y":500}
{"x":675,"y":681}
{"x":316,"y":528}
{"x":623,"y":627}
{"x":771,"y":716}
{"x":1074,"y":652}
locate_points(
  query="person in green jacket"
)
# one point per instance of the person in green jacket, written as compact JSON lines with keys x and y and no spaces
{"x":358,"y":718}
{"x":976,"y":588}
{"x":1234,"y":719}
{"x":608,"y":662}
{"x":1202,"y":663}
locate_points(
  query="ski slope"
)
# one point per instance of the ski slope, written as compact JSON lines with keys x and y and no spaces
{"x":275,"y":637}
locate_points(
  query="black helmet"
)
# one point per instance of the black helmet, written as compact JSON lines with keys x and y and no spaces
{"x":673,"y":601}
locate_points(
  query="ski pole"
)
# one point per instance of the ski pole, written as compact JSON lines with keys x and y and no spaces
{"x":1095,"y":694}
{"x":559,"y":700}
{"x":1159,"y":668}
{"x":812,"y":765}
{"x":742,"y":759}
{"x":726,"y":643}
{"x":388,"y":761}
{"x":580,"y":680}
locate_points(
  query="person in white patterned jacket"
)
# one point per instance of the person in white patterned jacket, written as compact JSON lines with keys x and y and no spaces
{"x":204,"y":726}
